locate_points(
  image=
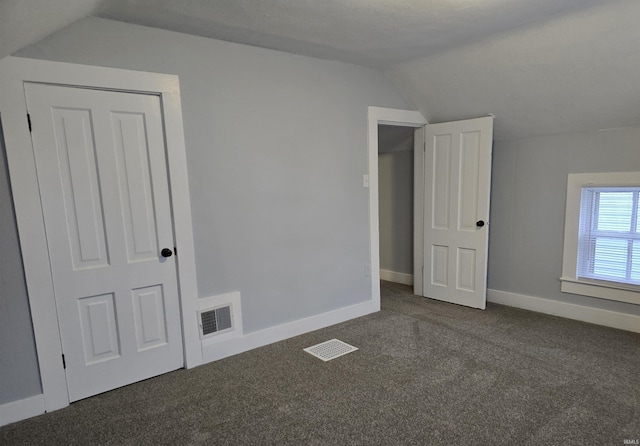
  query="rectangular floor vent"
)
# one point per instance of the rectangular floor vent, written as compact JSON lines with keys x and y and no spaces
{"x":330,"y":349}
{"x":215,"y":321}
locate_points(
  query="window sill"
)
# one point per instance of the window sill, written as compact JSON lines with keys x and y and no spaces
{"x":601,"y":290}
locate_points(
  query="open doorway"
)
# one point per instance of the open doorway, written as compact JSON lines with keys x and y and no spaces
{"x":455,"y":158}
{"x":396,"y":203}
{"x":401,"y":118}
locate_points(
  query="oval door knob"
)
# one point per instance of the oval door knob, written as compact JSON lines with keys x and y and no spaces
{"x":166,"y":252}
{"x":480,"y":223}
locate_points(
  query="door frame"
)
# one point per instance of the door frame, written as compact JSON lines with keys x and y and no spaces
{"x":14,"y":72}
{"x":404,"y":118}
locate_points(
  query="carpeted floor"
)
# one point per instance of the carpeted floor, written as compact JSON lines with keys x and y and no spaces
{"x":426,"y":373}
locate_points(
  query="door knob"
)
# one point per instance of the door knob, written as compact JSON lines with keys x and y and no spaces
{"x":480,"y":223}
{"x":166,"y":252}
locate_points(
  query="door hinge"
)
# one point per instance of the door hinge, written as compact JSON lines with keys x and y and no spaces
{"x":175,"y":250}
{"x":29,"y":121}
{"x":64,"y":363}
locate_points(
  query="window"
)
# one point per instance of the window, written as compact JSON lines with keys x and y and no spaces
{"x":609,"y":241}
{"x":602,"y":236}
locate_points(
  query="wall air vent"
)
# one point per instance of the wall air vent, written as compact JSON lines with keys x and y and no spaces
{"x":219,"y":320}
{"x":215,"y":321}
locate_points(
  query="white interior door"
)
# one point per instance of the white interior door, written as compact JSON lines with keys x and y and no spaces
{"x":456,"y":212}
{"x":101,"y":166}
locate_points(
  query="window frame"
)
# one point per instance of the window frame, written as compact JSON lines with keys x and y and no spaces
{"x":570,"y":282}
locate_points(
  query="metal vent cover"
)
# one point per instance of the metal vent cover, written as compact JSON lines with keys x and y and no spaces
{"x":329,"y":350}
{"x":216,"y":320}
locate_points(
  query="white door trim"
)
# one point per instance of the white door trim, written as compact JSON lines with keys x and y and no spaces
{"x":386,"y":116}
{"x":14,"y":72}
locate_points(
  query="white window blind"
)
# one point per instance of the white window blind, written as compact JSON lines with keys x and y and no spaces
{"x":609,"y":237}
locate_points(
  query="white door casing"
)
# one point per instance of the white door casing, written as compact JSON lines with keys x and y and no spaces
{"x":457,"y":170}
{"x":418,"y":208}
{"x":101,"y":167}
{"x":14,"y":73}
{"x":377,"y":116}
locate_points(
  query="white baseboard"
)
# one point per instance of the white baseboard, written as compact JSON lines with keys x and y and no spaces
{"x":285,"y":331}
{"x":393,"y":276}
{"x":21,"y":409}
{"x":597,"y":316}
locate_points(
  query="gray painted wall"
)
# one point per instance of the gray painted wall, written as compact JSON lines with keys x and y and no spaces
{"x":19,"y":377}
{"x":395,"y":192}
{"x":528,"y":199}
{"x":276,"y":149}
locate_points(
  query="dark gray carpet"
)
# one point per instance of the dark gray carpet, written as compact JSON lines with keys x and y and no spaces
{"x":427,"y":373}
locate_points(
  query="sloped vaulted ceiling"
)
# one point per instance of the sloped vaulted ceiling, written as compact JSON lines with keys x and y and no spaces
{"x":541,"y":66}
{"x":23,"y":22}
{"x":377,"y":33}
{"x":574,"y":73}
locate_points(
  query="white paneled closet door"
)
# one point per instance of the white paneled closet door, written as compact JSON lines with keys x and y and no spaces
{"x":102,"y":173}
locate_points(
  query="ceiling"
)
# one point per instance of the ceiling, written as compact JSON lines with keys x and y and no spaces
{"x":541,"y":66}
{"x":377,"y":33}
{"x":392,"y":138}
